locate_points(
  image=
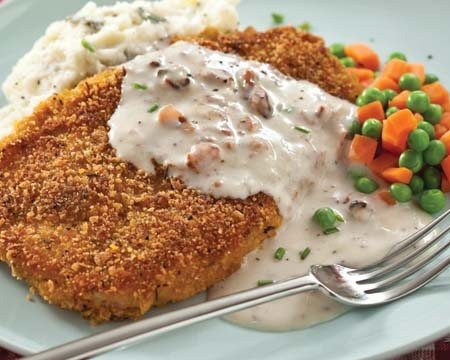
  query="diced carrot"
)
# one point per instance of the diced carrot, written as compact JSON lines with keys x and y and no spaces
{"x":371,"y":110}
{"x":366,"y":83}
{"x":362,"y":149}
{"x":363,"y":55}
{"x":418,"y":69}
{"x":437,"y":93}
{"x":445,"y":138}
{"x":382,"y":162}
{"x":400,"y":174}
{"x":439,"y":130}
{"x":361,"y":74}
{"x":446,"y":106}
{"x":396,"y":129}
{"x":445,"y":164}
{"x":445,"y":184}
{"x":386,"y":196}
{"x":385,"y":82}
{"x":395,"y":68}
{"x":418,"y":117}
{"x":400,"y":99}
{"x":445,"y":120}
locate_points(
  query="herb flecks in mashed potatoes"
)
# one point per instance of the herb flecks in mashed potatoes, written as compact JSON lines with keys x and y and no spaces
{"x":153,"y":18}
{"x":93,"y":25}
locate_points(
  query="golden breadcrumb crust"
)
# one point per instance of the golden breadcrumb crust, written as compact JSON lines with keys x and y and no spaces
{"x":91,"y":233}
{"x":292,"y":51}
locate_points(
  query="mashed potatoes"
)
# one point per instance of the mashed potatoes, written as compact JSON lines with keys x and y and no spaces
{"x":100,"y":36}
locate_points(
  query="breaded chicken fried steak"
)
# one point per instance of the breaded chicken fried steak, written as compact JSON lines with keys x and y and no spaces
{"x":92,"y":233}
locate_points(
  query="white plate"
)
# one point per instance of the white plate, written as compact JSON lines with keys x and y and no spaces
{"x":415,"y":27}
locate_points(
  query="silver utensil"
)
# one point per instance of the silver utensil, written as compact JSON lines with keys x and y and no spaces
{"x":380,"y":283}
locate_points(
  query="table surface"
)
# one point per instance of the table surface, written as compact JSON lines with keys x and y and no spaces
{"x":440,"y":350}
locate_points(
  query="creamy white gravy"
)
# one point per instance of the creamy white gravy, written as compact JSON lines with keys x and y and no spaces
{"x":230,"y":127}
{"x":226,"y":126}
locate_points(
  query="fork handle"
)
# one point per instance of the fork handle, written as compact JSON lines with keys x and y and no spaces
{"x":124,"y":335}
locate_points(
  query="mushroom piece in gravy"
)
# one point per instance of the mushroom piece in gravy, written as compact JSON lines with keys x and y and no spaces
{"x":360,"y":210}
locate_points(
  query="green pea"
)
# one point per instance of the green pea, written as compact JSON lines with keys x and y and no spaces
{"x":389,"y":94}
{"x":326,"y":218}
{"x":347,"y":61}
{"x":418,"y":140}
{"x":416,"y":184}
{"x":409,"y":81}
{"x":434,"y":153}
{"x":360,"y":101}
{"x":428,"y":128}
{"x":432,"y":201}
{"x":391,"y":110}
{"x":401,"y":192}
{"x":412,"y":160}
{"x":366,"y":185}
{"x":432,"y":178}
{"x":356,"y":171}
{"x":355,"y":128}
{"x":430,"y":78}
{"x":397,"y":55}
{"x":338,"y":50}
{"x":371,"y":94}
{"x":418,"y":101}
{"x":384,"y":100}
{"x":372,"y":128}
{"x":433,"y":114}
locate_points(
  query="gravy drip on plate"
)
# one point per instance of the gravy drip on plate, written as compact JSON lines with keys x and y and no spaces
{"x":233,"y":128}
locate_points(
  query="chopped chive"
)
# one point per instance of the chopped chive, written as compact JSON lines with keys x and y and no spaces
{"x":302,"y":129}
{"x":153,"y":108}
{"x":288,"y":110}
{"x":304,"y":253}
{"x":265,"y":282}
{"x":330,"y":231}
{"x":87,"y":45}
{"x":138,"y":86}
{"x":305,"y":26}
{"x":339,"y":216}
{"x":279,"y":253}
{"x":277,"y":18}
{"x":153,"y":18}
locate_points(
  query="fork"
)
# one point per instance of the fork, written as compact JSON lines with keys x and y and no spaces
{"x":376,"y":284}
